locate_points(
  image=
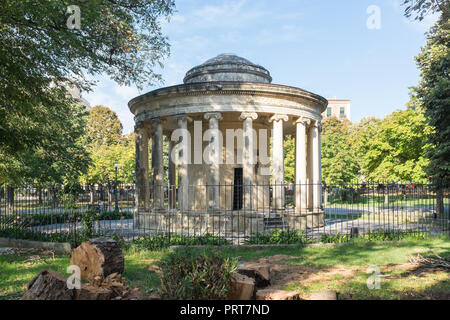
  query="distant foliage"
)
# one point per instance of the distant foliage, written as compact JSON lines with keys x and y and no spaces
{"x":192,"y":275}
{"x":339,"y":161}
{"x":393,"y":149}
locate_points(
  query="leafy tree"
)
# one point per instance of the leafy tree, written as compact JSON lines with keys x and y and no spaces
{"x":40,"y":55}
{"x":289,"y":159}
{"x":434,"y":94}
{"x":60,"y":158}
{"x":338,"y":161}
{"x":103,"y":127}
{"x":393,"y":149}
{"x":107,"y":147}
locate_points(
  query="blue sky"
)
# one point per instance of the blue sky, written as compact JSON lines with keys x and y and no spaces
{"x":323,"y":46}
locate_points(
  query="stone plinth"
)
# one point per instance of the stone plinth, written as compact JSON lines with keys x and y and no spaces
{"x":222,"y":223}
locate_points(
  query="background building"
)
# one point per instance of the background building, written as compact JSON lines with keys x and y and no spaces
{"x":340,"y":108}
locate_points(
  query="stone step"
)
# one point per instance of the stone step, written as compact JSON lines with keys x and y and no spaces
{"x":273,"y":223}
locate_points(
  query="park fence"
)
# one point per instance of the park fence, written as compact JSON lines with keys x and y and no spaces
{"x":370,"y":210}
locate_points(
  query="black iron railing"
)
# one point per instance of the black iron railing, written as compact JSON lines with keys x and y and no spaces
{"x":59,"y":213}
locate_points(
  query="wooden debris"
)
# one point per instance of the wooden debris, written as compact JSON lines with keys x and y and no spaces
{"x":272,"y":294}
{"x":324,"y":295}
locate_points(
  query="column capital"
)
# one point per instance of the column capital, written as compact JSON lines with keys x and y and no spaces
{"x":279,"y":117}
{"x":316,"y":124}
{"x":139,"y":125}
{"x":247,"y":115}
{"x":182,"y":117}
{"x":157,"y":121}
{"x":302,"y":120}
{"x":211,"y":115}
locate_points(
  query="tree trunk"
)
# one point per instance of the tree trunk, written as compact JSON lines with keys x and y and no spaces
{"x":10,"y":200}
{"x":40,"y":195}
{"x":91,"y":194}
{"x":48,"y":285}
{"x":98,"y":257}
{"x":439,"y":202}
{"x":102,"y":193}
{"x":55,"y":197}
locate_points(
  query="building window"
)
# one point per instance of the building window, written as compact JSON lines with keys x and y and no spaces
{"x":342,"y":115}
{"x":328,"y":112}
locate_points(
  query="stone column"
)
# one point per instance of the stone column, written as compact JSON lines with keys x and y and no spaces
{"x":183,"y":163}
{"x":171,"y":178}
{"x":310,"y":167}
{"x":215,"y":155}
{"x":300,"y":165}
{"x":316,"y":164}
{"x":142,"y":183}
{"x":278,"y":160}
{"x":248,"y":158}
{"x":157,"y":164}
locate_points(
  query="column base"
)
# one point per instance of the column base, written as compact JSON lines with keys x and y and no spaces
{"x":305,"y":219}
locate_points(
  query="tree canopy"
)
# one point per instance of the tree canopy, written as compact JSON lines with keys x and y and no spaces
{"x":434,"y":94}
{"x":393,"y":149}
{"x":338,"y":161}
{"x":107,"y":147}
{"x":421,"y":8}
{"x":103,"y":127}
{"x":40,"y":56}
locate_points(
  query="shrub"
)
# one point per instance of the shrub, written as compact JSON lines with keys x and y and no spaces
{"x":337,"y":238}
{"x":196,"y":275}
{"x":41,"y":219}
{"x":391,"y":235}
{"x":378,"y":235}
{"x":278,"y":237}
{"x":160,"y":241}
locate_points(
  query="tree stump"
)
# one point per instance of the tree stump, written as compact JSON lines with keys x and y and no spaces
{"x":98,"y":257}
{"x":242,"y":287}
{"x":48,"y":285}
{"x":89,"y":292}
{"x":260,"y":272}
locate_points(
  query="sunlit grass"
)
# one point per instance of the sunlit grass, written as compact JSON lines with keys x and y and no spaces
{"x":355,"y":256}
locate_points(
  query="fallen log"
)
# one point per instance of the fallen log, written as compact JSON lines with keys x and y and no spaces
{"x":98,"y":257}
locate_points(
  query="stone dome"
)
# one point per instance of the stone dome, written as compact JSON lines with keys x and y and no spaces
{"x":228,"y":67}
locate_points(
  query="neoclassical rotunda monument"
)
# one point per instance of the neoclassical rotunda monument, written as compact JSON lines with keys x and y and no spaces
{"x":217,"y":151}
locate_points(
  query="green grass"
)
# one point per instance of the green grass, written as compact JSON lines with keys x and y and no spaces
{"x":15,"y":273}
{"x":356,"y":256}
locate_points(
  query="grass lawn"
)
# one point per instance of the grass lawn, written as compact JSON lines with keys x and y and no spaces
{"x":343,"y":268}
